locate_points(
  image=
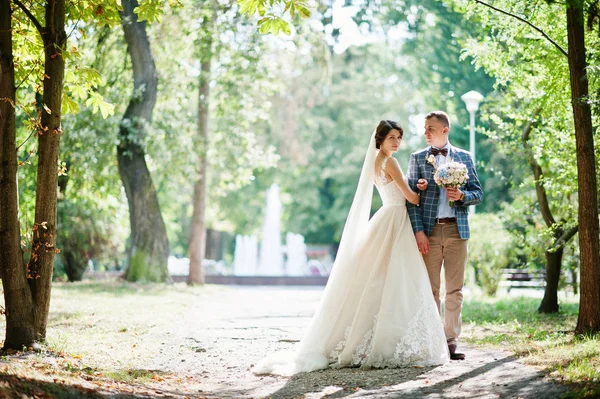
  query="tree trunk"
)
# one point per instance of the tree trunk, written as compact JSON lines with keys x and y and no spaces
{"x":589,"y":241}
{"x":553,"y":264}
{"x":149,"y":251}
{"x":197,"y":244}
{"x":20,"y":325}
{"x":44,"y":230}
{"x":554,"y":254}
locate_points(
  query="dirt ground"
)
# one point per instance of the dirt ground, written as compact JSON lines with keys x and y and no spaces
{"x":201,"y":342}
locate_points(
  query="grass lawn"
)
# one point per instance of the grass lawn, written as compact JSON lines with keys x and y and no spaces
{"x":543,"y":340}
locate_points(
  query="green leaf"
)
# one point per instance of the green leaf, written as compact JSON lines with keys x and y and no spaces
{"x":78,"y":92}
{"x":261,"y":10}
{"x":303,"y":11}
{"x":150,"y":10}
{"x":106,"y":109}
{"x":249,"y":7}
{"x":264,"y":26}
{"x":97,"y":102}
{"x":68,"y":105}
{"x":70,"y":76}
{"x":91,"y":76}
{"x":273,"y":24}
{"x":285,"y":27}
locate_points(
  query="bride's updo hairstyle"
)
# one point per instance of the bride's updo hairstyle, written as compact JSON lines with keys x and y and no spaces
{"x":384,"y":128}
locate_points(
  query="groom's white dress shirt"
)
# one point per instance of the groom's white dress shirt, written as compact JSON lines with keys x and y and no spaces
{"x":444,"y":208}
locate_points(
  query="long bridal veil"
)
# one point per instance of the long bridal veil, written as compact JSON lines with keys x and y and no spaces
{"x":311,"y":351}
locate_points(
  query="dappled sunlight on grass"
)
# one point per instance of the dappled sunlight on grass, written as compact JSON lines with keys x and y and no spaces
{"x":45,"y":374}
{"x":140,"y":376}
{"x":543,"y":340}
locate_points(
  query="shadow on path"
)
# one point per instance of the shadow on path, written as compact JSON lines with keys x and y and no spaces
{"x":485,"y":375}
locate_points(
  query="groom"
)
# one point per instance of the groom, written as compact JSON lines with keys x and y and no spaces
{"x":442,"y":230}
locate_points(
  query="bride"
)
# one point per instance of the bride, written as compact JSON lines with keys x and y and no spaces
{"x":377,"y":309}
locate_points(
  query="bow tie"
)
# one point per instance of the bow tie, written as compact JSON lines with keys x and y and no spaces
{"x":437,"y":151}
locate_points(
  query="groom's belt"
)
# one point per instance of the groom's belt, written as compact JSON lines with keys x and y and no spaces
{"x":445,"y":220}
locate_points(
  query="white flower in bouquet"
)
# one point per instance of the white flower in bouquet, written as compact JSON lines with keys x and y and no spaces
{"x":452,"y":174}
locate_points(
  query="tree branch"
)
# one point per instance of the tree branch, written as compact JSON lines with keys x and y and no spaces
{"x":33,"y":19}
{"x":564,"y":238}
{"x":528,"y":23}
{"x":537,"y":172}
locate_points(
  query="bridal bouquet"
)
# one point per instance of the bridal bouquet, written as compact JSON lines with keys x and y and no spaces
{"x":452,"y":174}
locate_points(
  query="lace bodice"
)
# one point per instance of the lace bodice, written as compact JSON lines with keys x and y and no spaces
{"x":388,"y":190}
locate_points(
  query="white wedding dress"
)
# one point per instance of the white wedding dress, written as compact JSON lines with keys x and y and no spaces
{"x":378,"y":308}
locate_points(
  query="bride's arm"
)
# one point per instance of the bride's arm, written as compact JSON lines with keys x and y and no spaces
{"x":393,"y":169}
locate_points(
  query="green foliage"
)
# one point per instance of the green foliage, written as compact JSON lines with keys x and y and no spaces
{"x":274,"y":25}
{"x":85,"y":222}
{"x":149,"y":10}
{"x":81,"y":82}
{"x":272,"y":20}
{"x":533,"y":102}
{"x":433,"y":60}
{"x":238,"y":149}
{"x":324,"y":146}
{"x":87,"y":234}
{"x":93,"y":221}
{"x":491,"y":249}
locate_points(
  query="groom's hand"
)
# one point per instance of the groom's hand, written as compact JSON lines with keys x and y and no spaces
{"x":422,"y":184}
{"x":422,"y":242}
{"x":454,"y":194}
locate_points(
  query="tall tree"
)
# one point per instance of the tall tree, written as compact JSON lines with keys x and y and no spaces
{"x":197,"y":245}
{"x":20,"y":318}
{"x":42,"y":69}
{"x":589,"y":240}
{"x":149,"y":246}
{"x":44,"y":230}
{"x":589,"y":234}
{"x":27,"y":291}
{"x":560,"y":236}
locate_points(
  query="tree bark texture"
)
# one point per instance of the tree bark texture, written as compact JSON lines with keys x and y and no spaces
{"x":197,"y":243}
{"x":149,"y":249}
{"x":43,"y":247}
{"x":20,"y":321}
{"x":589,"y":241}
{"x":553,"y":265}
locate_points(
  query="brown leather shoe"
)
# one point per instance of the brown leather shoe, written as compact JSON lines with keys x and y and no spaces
{"x":454,"y":355}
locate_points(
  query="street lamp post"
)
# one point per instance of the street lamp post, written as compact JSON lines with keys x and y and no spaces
{"x":472,"y":100}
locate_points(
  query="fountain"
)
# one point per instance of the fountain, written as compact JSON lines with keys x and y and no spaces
{"x":245,"y":256}
{"x":269,"y":267}
{"x":296,"y":264}
{"x":271,"y":255}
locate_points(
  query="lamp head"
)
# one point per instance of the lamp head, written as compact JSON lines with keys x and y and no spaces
{"x":472,"y":100}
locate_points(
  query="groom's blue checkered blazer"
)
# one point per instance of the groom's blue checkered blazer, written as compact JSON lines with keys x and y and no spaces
{"x":422,"y":217}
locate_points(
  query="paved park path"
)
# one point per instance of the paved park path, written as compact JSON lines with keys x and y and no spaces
{"x":234,"y":327}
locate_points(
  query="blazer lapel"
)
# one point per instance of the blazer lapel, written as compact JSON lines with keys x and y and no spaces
{"x":429,"y":169}
{"x":451,"y":153}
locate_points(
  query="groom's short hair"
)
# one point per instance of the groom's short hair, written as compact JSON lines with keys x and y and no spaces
{"x":440,"y":116}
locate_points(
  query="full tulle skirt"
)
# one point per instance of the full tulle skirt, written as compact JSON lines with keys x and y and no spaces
{"x":379,"y":313}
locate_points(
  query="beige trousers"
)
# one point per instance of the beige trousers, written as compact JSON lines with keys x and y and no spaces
{"x":448,"y":249}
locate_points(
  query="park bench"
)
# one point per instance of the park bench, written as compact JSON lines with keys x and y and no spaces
{"x":523,"y":278}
